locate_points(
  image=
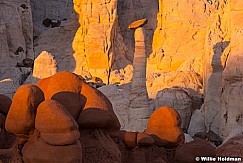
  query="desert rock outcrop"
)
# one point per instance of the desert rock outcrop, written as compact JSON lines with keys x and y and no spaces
{"x":164,"y":126}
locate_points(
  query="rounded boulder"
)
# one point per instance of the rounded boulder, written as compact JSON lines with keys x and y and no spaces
{"x":56,"y":124}
{"x":21,"y":116}
{"x":164,"y":126}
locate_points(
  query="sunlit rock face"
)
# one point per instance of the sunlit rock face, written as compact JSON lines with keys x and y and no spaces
{"x":97,"y":38}
{"x":180,"y":34}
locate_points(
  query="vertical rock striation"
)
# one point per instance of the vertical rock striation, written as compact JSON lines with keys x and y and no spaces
{"x":231,"y":96}
{"x":216,"y":52}
{"x":98,"y":37}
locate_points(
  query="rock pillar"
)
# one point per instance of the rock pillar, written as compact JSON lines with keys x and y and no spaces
{"x":139,"y":105}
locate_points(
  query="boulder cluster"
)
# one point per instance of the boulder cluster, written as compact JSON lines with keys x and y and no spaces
{"x":64,"y":119}
{"x":47,"y":117}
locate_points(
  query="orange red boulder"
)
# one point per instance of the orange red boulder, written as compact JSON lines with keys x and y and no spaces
{"x":21,"y":116}
{"x":89,"y":107}
{"x":56,"y":124}
{"x":164,"y":126}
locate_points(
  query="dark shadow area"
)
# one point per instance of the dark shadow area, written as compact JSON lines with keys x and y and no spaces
{"x":74,"y":102}
{"x":218,"y":52}
{"x":214,"y":83}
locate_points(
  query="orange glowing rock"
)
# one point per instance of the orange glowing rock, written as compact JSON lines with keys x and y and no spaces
{"x":56,"y":124}
{"x":138,"y":23}
{"x":21,"y":116}
{"x":60,"y":82}
{"x":164,"y":127}
{"x":86,"y":104}
{"x":5,"y":103}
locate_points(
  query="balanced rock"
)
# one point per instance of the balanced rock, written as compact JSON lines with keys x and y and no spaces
{"x":139,"y":105}
{"x":138,"y":23}
{"x":5,"y":103}
{"x":56,"y":124}
{"x":36,"y":150}
{"x":21,"y":116}
{"x":164,"y":127}
{"x":186,"y":153}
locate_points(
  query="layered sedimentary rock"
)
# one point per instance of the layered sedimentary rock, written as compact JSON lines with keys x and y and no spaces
{"x":183,"y":20}
{"x":98,"y":38}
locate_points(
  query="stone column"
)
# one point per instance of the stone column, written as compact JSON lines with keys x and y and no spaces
{"x":139,"y":105}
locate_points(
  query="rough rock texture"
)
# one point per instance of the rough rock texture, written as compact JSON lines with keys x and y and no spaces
{"x":184,"y":20}
{"x":164,"y":125}
{"x":231,"y":95}
{"x":232,"y":148}
{"x":120,"y":103}
{"x":157,"y":82}
{"x":16,"y":39}
{"x":55,"y":10}
{"x":98,"y":146}
{"x":98,"y":38}
{"x":36,"y":150}
{"x":178,"y":99}
{"x":186,"y":153}
{"x":216,"y":52}
{"x":17,"y":35}
{"x":197,"y":122}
